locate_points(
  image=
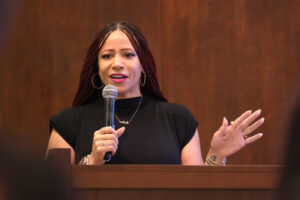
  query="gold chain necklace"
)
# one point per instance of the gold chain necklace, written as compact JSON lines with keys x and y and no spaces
{"x":128,"y":122}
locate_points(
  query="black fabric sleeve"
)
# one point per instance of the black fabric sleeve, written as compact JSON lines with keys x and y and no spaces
{"x":66,"y":123}
{"x":184,"y":122}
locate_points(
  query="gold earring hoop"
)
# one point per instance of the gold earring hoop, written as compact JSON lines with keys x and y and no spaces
{"x":93,"y":84}
{"x":144,"y":77}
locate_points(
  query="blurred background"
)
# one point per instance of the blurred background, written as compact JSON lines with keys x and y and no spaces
{"x":217,"y":57}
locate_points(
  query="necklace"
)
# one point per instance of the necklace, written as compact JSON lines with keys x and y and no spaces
{"x":128,"y":122}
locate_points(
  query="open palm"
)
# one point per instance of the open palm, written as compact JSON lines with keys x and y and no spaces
{"x":231,"y":138}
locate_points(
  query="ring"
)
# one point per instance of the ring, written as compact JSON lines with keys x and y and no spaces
{"x":105,"y":144}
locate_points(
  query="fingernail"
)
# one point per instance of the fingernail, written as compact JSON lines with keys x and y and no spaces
{"x":262,"y":119}
{"x":259,"y":111}
{"x":260,"y":134}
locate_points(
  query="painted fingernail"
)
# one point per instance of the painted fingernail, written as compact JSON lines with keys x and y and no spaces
{"x":259,"y":111}
{"x":262,"y":119}
{"x":260,"y":134}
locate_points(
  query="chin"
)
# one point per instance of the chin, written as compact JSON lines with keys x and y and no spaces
{"x":121,"y":89}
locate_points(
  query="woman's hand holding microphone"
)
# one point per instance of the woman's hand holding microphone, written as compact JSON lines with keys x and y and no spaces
{"x":105,"y":140}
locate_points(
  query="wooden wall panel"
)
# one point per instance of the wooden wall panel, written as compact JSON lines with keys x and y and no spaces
{"x":218,"y":58}
{"x":222,"y":58}
{"x":41,"y":65}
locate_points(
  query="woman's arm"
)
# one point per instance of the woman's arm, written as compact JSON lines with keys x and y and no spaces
{"x":191,"y":152}
{"x":56,"y":141}
{"x":225,"y":142}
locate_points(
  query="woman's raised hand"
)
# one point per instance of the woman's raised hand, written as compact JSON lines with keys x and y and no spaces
{"x":105,"y":140}
{"x":231,"y":138}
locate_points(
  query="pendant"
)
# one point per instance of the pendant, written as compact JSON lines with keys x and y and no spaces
{"x":123,"y":122}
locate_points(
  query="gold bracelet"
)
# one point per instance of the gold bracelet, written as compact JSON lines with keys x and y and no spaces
{"x":214,"y":163}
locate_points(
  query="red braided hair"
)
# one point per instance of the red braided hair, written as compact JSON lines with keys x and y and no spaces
{"x":87,"y":93}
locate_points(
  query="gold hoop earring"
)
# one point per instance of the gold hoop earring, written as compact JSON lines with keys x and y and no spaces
{"x":143,"y":82}
{"x":93,"y":84}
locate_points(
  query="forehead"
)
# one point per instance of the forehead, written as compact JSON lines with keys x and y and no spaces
{"x":117,"y":39}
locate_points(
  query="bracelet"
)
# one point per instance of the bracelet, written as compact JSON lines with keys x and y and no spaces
{"x":86,"y":160}
{"x":214,"y":163}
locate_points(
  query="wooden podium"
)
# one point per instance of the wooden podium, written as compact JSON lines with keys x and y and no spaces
{"x":167,"y":182}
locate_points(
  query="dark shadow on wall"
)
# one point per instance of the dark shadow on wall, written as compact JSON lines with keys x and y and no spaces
{"x":290,"y":183}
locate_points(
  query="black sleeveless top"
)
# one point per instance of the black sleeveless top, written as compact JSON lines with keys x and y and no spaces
{"x":156,"y":134}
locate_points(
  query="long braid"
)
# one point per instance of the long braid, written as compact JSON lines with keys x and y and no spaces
{"x":86,"y":90}
{"x":140,"y":45}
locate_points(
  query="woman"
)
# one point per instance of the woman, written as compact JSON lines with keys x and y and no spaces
{"x":149,"y":130}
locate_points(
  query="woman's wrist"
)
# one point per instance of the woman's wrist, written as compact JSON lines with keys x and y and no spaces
{"x":89,"y":160}
{"x":83,"y":160}
{"x":86,"y":160}
{"x":213,"y":158}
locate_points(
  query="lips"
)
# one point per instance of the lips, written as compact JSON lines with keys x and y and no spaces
{"x":118,"y":78}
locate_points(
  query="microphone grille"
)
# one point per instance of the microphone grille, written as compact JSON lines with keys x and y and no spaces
{"x":109,"y":91}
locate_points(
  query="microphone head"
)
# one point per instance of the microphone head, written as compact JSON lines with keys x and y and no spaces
{"x":109,"y":91}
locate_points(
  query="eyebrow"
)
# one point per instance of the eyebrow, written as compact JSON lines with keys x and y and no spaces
{"x":124,"y":49}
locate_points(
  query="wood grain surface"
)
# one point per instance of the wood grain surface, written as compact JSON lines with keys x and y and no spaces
{"x":218,"y":58}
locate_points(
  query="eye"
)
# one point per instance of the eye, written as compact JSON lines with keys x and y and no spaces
{"x":129,"y":55}
{"x":106,"y":56}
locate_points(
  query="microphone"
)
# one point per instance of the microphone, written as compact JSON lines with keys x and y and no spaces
{"x":109,"y":94}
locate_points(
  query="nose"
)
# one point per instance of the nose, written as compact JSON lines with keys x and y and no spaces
{"x":117,"y":62}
